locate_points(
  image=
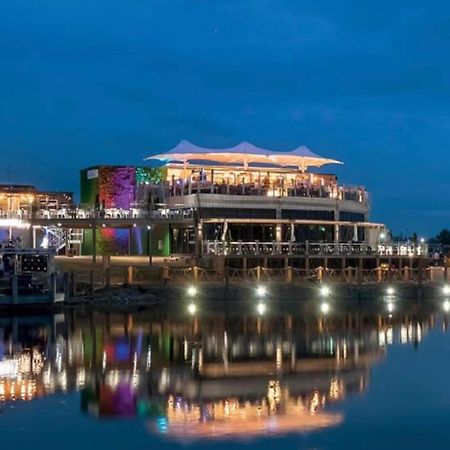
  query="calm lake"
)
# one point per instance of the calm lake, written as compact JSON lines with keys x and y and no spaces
{"x":359,"y":377}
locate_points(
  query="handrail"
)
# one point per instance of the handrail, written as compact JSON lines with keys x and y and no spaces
{"x":288,"y":248}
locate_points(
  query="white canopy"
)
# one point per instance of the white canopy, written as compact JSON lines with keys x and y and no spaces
{"x":245,"y":154}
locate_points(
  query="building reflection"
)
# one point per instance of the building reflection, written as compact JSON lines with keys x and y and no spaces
{"x":215,"y":376}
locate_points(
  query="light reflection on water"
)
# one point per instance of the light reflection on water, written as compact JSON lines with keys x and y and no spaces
{"x":205,"y":377}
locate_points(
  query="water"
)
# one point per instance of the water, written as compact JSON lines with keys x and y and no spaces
{"x":356,"y":378}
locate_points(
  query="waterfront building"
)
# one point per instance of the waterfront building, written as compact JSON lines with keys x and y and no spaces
{"x":213,"y":205}
{"x":248,"y":199}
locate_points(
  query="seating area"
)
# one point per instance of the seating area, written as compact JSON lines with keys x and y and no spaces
{"x":180,"y":188}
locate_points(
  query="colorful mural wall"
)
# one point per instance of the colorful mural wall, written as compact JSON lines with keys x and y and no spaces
{"x":120,"y":187}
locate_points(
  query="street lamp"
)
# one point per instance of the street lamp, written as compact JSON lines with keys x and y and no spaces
{"x":149,"y":245}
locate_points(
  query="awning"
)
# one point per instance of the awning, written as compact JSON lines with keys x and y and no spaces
{"x":243,"y":154}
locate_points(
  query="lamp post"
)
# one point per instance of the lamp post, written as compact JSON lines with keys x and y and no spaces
{"x":149,"y":244}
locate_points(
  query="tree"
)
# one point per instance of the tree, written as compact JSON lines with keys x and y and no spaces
{"x":443,"y":237}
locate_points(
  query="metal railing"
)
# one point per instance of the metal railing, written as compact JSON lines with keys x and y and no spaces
{"x":256,"y":248}
{"x":356,"y":194}
{"x":90,"y":212}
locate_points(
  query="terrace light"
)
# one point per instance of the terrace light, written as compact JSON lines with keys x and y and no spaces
{"x":192,"y":308}
{"x":261,"y":308}
{"x":390,"y":307}
{"x":325,"y":291}
{"x":390,"y":290}
{"x":446,"y":306}
{"x":446,"y":290}
{"x":261,"y":291}
{"x":191,"y":291}
{"x":325,"y":307}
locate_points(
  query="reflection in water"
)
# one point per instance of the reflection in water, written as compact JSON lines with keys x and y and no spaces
{"x":201,"y":377}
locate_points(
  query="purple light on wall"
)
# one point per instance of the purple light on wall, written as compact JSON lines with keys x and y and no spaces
{"x":117,"y":187}
{"x":138,"y":240}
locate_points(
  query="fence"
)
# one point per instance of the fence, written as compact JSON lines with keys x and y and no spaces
{"x":92,"y":279}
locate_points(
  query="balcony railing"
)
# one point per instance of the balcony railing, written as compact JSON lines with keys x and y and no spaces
{"x":357,"y":194}
{"x":241,"y":248}
{"x":89,"y":212}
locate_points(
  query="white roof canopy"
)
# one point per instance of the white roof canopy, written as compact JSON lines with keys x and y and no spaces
{"x":244,"y":153}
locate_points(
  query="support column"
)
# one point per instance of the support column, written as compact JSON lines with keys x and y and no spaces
{"x":130,"y":240}
{"x":94,"y":243}
{"x":360,"y":270}
{"x":149,"y":245}
{"x":198,"y":239}
{"x":336,"y":234}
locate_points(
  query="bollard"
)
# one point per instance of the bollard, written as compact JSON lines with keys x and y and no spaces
{"x":289,"y":274}
{"x":406,"y":273}
{"x":379,"y":272}
{"x":165,"y":274}
{"x":130,"y":275}
{"x":320,"y":273}
{"x":195,"y":272}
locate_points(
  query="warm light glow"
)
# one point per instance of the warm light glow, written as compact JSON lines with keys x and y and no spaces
{"x":192,"y":308}
{"x":325,"y":291}
{"x":192,"y":290}
{"x":261,"y":308}
{"x":261,"y":291}
{"x":390,"y":291}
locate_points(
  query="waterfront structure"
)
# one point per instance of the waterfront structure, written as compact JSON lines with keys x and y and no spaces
{"x":250,"y":200}
{"x":231,"y":206}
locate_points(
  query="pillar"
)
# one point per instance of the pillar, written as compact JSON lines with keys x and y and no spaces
{"x":130,"y":240}
{"x":360,"y":270}
{"x":94,"y":243}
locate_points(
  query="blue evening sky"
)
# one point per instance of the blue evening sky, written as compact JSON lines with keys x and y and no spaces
{"x":88,"y":81}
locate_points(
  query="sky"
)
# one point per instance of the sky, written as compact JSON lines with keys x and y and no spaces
{"x":110,"y":82}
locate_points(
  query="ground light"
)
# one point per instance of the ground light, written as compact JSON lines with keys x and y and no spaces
{"x":261,"y":307}
{"x":390,"y":307}
{"x":325,"y":308}
{"x":191,"y":291}
{"x":390,"y":290}
{"x":446,"y":290}
{"x":192,"y":308}
{"x":446,"y":306}
{"x":261,"y":291}
{"x":325,"y":291}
